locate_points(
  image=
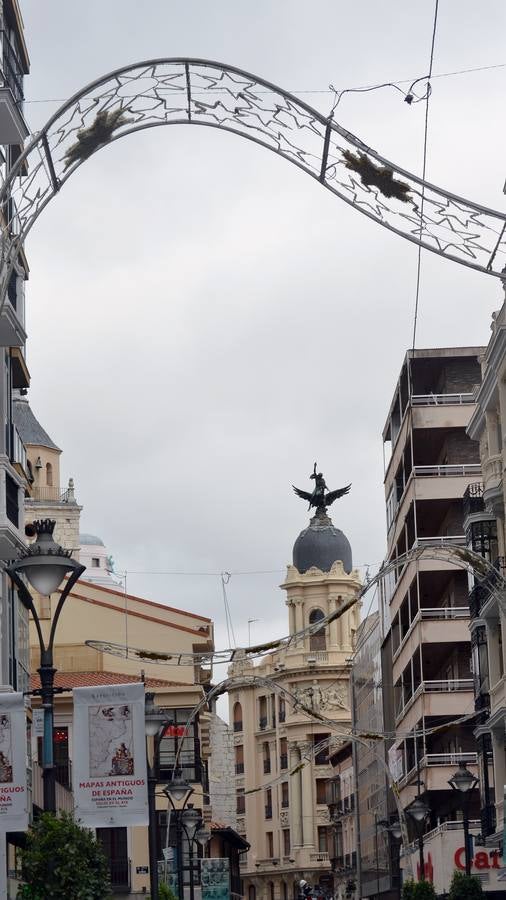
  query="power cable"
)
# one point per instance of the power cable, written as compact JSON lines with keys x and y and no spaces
{"x":424,"y":167}
{"x":330,"y":90}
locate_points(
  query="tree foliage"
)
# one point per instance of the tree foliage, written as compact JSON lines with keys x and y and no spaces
{"x":465,"y":887}
{"x":63,"y":861}
{"x":418,"y":890}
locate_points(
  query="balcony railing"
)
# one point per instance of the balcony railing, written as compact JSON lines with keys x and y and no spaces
{"x":455,"y":540}
{"x":282,"y":716}
{"x":473,"y":499}
{"x":283,"y":761}
{"x":63,"y":774}
{"x":450,"y":470}
{"x":12,"y":69}
{"x":239,"y":768}
{"x":448,"y":759}
{"x":51,"y":494}
{"x":238,"y":726}
{"x":441,"y":399}
{"x":262,"y":723}
{"x":267,"y":766}
{"x":440,"y":686}
{"x":322,"y":857}
{"x":268,"y":812}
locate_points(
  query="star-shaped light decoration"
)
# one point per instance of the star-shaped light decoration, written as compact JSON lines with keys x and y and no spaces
{"x":381,"y":177}
{"x":99,"y":133}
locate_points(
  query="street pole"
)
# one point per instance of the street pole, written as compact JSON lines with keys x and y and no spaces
{"x":465,"y":813}
{"x":420,"y":851}
{"x":190,"y":857}
{"x":152,"y":831}
{"x":179,"y":847}
{"x":45,"y":565}
{"x":377,"y":855}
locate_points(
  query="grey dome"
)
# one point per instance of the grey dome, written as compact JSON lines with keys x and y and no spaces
{"x":90,"y":539}
{"x":321,"y":545}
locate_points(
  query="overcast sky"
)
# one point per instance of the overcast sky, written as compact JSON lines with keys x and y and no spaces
{"x":205,"y":320}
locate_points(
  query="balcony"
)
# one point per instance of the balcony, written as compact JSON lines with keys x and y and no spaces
{"x":239,"y":768}
{"x":447,"y":471}
{"x":12,"y":333}
{"x":52,"y":495}
{"x":442,"y":399}
{"x":473,"y":499}
{"x":321,"y":857}
{"x":238,"y":726}
{"x":437,"y":698}
{"x":316,"y":656}
{"x":64,"y":796}
{"x":267,"y":766}
{"x":432,"y":626}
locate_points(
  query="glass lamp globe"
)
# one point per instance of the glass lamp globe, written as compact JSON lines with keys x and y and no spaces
{"x":396,"y":830}
{"x":190,"y":820}
{"x":418,"y":810}
{"x":462,"y":780}
{"x":178,"y":789}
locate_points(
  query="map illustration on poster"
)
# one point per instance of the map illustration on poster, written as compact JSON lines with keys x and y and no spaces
{"x":111,"y":741}
{"x":14,"y":801}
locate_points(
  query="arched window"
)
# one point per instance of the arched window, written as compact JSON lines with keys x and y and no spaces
{"x":317,"y":641}
{"x":252,"y":892}
{"x":49,"y":475}
{"x":237,"y":717}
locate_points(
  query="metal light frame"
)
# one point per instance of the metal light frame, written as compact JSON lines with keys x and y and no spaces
{"x":192,"y":91}
{"x":463,"y":783}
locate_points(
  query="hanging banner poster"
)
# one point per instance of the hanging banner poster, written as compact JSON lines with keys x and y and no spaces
{"x":109,"y":772}
{"x":13,"y":788}
{"x":215,"y":879}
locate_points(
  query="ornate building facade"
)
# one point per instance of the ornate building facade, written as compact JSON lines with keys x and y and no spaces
{"x":282,"y":755}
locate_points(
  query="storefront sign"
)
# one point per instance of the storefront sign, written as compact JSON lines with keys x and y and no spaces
{"x":444,"y":853}
{"x":109,"y":773}
{"x":13,"y":789}
{"x":215,"y":879}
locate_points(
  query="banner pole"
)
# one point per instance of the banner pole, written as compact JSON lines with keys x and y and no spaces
{"x":3,"y":865}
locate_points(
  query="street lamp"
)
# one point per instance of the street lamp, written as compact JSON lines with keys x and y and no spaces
{"x":155,"y":724}
{"x":45,"y":564}
{"x":178,"y":792}
{"x":419,"y":810}
{"x":191,"y":823}
{"x":463,"y":781}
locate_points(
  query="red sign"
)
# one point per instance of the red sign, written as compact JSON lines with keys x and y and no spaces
{"x":482,"y":860}
{"x":174,"y":731}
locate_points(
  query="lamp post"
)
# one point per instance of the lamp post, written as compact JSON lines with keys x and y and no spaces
{"x":178,"y":791}
{"x":463,"y":781}
{"x":419,"y":810}
{"x":45,"y":564}
{"x":395,"y":832}
{"x":156,"y":722}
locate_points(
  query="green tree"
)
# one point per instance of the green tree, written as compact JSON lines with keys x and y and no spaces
{"x":465,"y":887}
{"x":418,"y":890}
{"x":63,"y":861}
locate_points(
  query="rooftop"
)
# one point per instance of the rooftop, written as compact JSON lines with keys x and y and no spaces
{"x":94,"y":679}
{"x":30,"y":429}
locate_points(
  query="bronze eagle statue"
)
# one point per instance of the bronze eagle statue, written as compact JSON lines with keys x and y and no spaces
{"x":318,"y":498}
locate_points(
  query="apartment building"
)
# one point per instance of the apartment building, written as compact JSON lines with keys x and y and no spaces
{"x":424,"y":611}
{"x":14,"y":475}
{"x":484,"y":509}
{"x":282,"y":755}
{"x":342,"y":831}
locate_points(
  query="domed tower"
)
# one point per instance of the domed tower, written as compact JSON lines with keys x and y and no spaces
{"x":321,"y":580}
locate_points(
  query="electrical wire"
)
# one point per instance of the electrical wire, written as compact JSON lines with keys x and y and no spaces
{"x":330,"y":90}
{"x":424,"y":168}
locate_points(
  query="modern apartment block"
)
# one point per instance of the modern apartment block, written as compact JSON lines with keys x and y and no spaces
{"x":424,"y":608}
{"x":484,"y":507}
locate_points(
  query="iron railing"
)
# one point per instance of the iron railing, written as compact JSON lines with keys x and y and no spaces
{"x":239,"y":768}
{"x":283,"y":761}
{"x":263,"y":723}
{"x":12,"y":69}
{"x":473,"y":499}
{"x":447,"y":471}
{"x":238,"y":726}
{"x":119,"y":871}
{"x":442,"y":399}
{"x":267,"y":766}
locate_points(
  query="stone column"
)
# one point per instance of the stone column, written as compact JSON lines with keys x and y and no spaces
{"x":299,"y":614}
{"x":291,"y":616}
{"x":295,"y":797}
{"x":308,"y":813}
{"x":499,"y":768}
{"x":333,"y":627}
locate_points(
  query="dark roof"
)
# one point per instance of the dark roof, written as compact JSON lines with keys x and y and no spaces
{"x":230,"y":835}
{"x":30,"y":430}
{"x":321,"y":545}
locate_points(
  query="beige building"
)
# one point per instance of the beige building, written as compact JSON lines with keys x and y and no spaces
{"x":424,"y":622}
{"x":281,"y":754}
{"x":485,"y":508}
